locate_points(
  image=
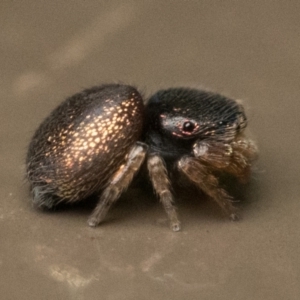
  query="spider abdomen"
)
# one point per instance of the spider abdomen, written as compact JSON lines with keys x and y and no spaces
{"x":83,"y":142}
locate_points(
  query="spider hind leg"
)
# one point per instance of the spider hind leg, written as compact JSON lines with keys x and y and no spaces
{"x":43,"y":198}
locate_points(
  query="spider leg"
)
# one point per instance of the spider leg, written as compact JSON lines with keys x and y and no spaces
{"x":160,"y":181}
{"x":201,"y":176}
{"x":244,"y":151}
{"x":118,"y":183}
{"x":234,"y":158}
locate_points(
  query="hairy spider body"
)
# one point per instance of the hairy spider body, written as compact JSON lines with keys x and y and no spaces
{"x":97,"y":140}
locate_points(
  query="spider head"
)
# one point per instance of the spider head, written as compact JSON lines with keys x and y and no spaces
{"x":180,"y":116}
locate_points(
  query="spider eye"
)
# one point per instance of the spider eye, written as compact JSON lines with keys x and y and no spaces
{"x":188,"y":126}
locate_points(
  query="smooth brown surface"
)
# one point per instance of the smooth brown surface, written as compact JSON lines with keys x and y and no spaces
{"x":245,"y":49}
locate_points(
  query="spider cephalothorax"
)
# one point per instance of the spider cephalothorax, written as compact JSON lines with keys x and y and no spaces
{"x":97,"y":140}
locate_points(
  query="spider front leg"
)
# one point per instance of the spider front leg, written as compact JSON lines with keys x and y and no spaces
{"x":118,"y":183}
{"x":201,"y":175}
{"x":244,"y":152}
{"x":234,"y":158}
{"x":160,"y":181}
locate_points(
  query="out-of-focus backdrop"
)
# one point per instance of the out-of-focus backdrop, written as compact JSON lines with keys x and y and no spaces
{"x":247,"y":50}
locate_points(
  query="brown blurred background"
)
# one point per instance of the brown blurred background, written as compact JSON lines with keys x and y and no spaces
{"x":248,"y":50}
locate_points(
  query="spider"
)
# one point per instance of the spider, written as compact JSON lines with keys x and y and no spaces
{"x":96,"y":141}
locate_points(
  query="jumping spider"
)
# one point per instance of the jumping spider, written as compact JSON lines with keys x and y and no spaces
{"x":97,"y":140}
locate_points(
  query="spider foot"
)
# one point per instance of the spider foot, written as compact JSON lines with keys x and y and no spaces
{"x":175,"y":226}
{"x":93,"y":222}
{"x":234,"y":217}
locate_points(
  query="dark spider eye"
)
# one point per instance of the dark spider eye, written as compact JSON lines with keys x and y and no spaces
{"x":188,"y":126}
